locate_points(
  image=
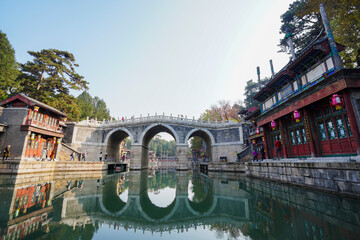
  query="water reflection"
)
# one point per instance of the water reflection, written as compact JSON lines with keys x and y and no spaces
{"x":169,"y":203}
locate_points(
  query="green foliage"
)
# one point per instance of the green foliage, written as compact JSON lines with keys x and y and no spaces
{"x":8,"y":68}
{"x":92,"y":107}
{"x":223,"y":110}
{"x":251,"y":89}
{"x":162,"y":146}
{"x":196,"y":143}
{"x":50,"y":76}
{"x":304,"y":20}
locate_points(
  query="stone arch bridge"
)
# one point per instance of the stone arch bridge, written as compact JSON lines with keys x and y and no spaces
{"x":222,"y":138}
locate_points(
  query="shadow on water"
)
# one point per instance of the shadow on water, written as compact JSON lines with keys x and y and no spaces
{"x":233,"y":206}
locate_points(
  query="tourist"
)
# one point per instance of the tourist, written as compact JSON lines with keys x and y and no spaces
{"x":72,"y":155}
{"x":81,"y":185}
{"x":106,"y":155}
{"x":278,"y":148}
{"x":123,"y":157}
{"x":68,"y":185}
{"x":44,"y":154}
{"x":262,"y":151}
{"x":100,"y":156}
{"x":6,"y":153}
{"x":84,"y":155}
{"x":255,"y":155}
{"x":52,"y":155}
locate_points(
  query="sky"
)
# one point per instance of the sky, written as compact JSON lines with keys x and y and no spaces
{"x":143,"y":57}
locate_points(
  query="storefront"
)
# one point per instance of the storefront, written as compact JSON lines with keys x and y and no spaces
{"x":309,"y":106}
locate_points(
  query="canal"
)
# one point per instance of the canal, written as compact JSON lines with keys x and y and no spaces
{"x":169,"y":204}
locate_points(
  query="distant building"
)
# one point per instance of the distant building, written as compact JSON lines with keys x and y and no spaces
{"x":311,"y":106}
{"x":32,"y":128}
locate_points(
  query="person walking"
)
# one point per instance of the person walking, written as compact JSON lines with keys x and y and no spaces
{"x":106,"y":155}
{"x":255,"y":155}
{"x":262,"y":151}
{"x":100,"y":156}
{"x":84,"y":155}
{"x":6,"y":153}
{"x":278,"y":148}
{"x":72,"y":156}
{"x":44,"y":154}
{"x":52,"y":155}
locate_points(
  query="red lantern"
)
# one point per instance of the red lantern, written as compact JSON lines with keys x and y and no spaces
{"x":297,"y":116}
{"x":336,"y":101}
{"x":36,"y":109}
{"x":257,"y":131}
{"x":273,"y":124}
{"x":253,"y":141}
{"x":54,"y":140}
{"x":262,"y":139}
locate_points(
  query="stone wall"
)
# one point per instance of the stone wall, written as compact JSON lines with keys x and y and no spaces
{"x":337,"y":177}
{"x":14,"y":118}
{"x":226,"y":151}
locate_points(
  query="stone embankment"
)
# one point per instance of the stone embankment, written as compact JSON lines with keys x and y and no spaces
{"x":337,"y":177}
{"x":26,"y":167}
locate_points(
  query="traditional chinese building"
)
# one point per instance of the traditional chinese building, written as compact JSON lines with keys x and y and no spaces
{"x":33,"y":129}
{"x":312,"y":106}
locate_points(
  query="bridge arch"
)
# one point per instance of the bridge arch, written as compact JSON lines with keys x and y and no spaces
{"x":113,"y":141}
{"x":156,"y":128}
{"x":204,"y":134}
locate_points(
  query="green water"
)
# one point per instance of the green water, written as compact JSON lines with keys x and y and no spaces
{"x":170,"y":204}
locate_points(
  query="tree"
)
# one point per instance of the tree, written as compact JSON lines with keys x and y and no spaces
{"x":50,"y":76}
{"x":302,"y":30}
{"x":304,"y":21}
{"x":223,"y":111}
{"x":8,"y":68}
{"x":251,"y":89}
{"x":92,"y":107}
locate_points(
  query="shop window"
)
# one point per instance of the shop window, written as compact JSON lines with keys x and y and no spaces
{"x":322,"y":131}
{"x":331,"y":129}
{"x":348,"y":125}
{"x":292,"y":138}
{"x":303,"y":80}
{"x":340,"y":127}
{"x":295,"y":86}
{"x":298,"y":136}
{"x":286,"y":91}
{"x":329,"y":63}
{"x":303,"y":133}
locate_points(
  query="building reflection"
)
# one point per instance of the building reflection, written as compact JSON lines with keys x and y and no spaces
{"x":233,"y":205}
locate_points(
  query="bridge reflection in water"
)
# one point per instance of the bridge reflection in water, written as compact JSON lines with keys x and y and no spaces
{"x":170,"y":202}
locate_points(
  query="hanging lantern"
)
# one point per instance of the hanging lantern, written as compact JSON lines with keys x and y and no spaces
{"x":273,"y":124}
{"x":253,"y":141}
{"x":262,"y":138}
{"x":297,"y":116}
{"x":336,"y":101}
{"x":257,"y":131}
{"x":58,"y":140}
{"x":64,"y":119}
{"x":38,"y":137}
{"x":32,"y":136}
{"x":54,"y":140}
{"x":36,"y":108}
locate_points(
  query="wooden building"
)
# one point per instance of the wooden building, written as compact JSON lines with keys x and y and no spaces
{"x":312,"y":106}
{"x":33,"y":129}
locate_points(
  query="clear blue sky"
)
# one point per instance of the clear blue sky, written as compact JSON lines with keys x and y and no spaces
{"x":144,"y":57}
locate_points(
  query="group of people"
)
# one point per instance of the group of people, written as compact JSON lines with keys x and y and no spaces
{"x":262,"y":151}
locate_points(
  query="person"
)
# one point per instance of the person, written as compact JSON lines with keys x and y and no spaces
{"x":262,"y":151}
{"x":255,"y":155}
{"x":72,"y":156}
{"x":68,"y":185}
{"x":106,"y":156}
{"x":52,"y":155}
{"x":84,"y":155}
{"x":6,"y":153}
{"x":81,"y":185}
{"x":278,"y":148}
{"x":44,"y":154}
{"x":123,"y":157}
{"x":100,"y":156}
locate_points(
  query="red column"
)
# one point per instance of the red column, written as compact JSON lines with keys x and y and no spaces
{"x":282,"y":133}
{"x":352,"y":120}
{"x":267,"y":152}
{"x":310,"y":129}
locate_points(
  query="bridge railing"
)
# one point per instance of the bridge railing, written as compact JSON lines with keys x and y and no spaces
{"x":154,"y":118}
